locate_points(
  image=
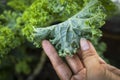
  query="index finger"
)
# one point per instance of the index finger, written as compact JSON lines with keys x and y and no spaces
{"x":60,"y":67}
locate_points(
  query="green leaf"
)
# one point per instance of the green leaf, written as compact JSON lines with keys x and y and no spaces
{"x":66,"y":35}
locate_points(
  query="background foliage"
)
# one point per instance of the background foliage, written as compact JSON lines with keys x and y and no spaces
{"x":17,"y":54}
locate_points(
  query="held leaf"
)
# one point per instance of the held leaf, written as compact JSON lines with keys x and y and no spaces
{"x":66,"y":36}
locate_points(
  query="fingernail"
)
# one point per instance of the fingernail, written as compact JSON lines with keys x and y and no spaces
{"x":84,"y":44}
{"x":44,"y":42}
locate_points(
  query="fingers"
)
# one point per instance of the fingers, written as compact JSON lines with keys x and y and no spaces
{"x":100,"y":59}
{"x":60,"y":67}
{"x":112,"y":73}
{"x":89,"y":55}
{"x":113,"y":69}
{"x":74,"y":63}
{"x":80,"y":75}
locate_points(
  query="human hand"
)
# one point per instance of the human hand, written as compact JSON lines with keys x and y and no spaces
{"x":85,"y":65}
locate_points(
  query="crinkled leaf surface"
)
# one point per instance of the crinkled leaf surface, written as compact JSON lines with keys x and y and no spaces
{"x":9,"y":33}
{"x":65,"y":36}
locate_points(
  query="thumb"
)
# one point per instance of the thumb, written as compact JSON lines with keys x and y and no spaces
{"x":89,"y":55}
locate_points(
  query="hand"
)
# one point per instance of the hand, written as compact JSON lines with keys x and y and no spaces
{"x":85,"y":65}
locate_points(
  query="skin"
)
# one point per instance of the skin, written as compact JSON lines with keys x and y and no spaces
{"x":85,"y":65}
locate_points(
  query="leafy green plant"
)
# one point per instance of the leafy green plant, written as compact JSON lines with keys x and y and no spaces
{"x":9,"y":36}
{"x":66,"y":35}
{"x":26,"y":21}
{"x":87,"y":25}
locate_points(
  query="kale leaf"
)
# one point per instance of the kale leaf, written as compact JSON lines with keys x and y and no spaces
{"x":65,"y":36}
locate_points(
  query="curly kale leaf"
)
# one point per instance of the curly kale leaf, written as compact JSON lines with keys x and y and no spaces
{"x":39,"y":13}
{"x":110,"y":7}
{"x":66,"y":35}
{"x":19,"y":5}
{"x":9,"y":32}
